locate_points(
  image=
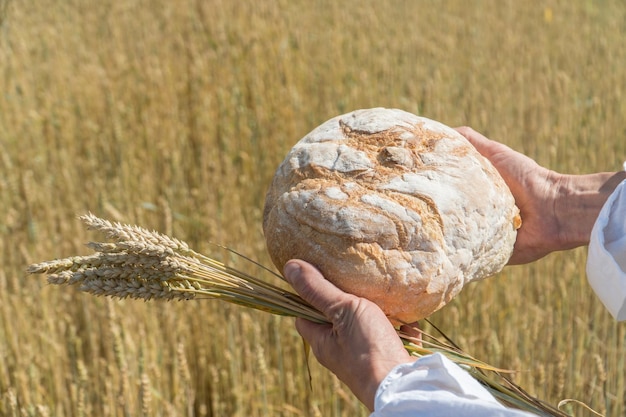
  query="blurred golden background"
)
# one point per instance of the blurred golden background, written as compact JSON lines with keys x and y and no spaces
{"x":174,"y":115}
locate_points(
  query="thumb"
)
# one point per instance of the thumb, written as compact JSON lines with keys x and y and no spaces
{"x":300,"y":275}
{"x":313,"y":287}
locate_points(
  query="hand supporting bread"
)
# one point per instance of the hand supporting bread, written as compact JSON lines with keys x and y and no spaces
{"x":559,"y":210}
{"x":359,"y":346}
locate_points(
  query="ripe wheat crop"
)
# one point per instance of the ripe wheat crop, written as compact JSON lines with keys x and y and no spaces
{"x":174,"y":115}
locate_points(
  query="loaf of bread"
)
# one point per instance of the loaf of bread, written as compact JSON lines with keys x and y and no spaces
{"x":392,"y":207}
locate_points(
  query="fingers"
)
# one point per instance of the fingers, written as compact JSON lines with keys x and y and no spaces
{"x":312,"y":286}
{"x":413,"y":331}
{"x":470,"y":134}
{"x":473,"y":136}
{"x":486,"y":147}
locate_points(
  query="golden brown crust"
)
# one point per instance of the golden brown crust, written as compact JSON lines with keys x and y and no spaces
{"x":393,"y":207}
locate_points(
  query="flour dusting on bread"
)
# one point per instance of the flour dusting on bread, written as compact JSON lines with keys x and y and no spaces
{"x":393,"y":207}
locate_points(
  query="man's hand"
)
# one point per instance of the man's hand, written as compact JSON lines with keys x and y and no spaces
{"x":558,"y":211}
{"x":360,"y":345}
{"x":535,"y":190}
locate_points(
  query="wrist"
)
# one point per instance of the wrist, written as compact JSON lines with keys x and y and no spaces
{"x":378,"y":376}
{"x":578,"y":201}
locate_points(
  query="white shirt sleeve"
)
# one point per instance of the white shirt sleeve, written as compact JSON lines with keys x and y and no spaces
{"x":434,"y":386}
{"x":606,"y":260}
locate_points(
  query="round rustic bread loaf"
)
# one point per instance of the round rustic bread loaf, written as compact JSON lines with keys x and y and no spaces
{"x":392,"y":207}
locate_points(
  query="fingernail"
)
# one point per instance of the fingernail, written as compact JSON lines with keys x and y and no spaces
{"x":292,"y":271}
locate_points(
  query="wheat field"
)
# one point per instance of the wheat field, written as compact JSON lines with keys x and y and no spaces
{"x":174,"y":114}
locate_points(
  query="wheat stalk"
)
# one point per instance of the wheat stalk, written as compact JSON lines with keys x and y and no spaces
{"x":147,"y":265}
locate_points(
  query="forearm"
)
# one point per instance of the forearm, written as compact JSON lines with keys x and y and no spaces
{"x":577,"y":205}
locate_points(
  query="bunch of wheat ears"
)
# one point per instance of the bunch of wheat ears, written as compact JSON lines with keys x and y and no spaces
{"x":143,"y":264}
